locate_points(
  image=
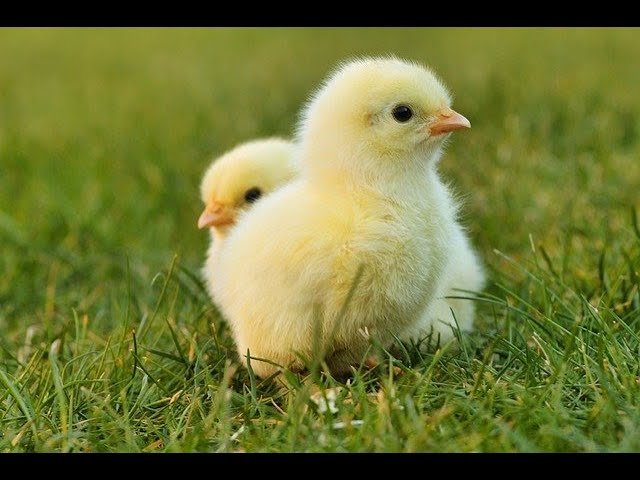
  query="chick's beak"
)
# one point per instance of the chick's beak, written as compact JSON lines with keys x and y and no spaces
{"x":448,"y":120}
{"x":215,"y":215}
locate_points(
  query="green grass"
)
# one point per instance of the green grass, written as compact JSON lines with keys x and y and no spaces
{"x":109,"y":343}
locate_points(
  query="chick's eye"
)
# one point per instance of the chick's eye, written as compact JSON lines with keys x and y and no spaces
{"x":402,"y":113}
{"x":252,"y":194}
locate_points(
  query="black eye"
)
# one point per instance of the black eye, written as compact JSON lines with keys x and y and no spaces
{"x":402,"y":113}
{"x":252,"y":194}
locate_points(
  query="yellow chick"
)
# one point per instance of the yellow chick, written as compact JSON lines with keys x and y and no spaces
{"x":234,"y":182}
{"x":368,"y":197}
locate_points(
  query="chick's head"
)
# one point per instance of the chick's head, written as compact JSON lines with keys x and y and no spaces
{"x":381,"y":107}
{"x":240,"y":177}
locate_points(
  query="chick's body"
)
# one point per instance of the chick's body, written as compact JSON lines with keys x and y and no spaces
{"x":274,"y":293}
{"x":368,"y":195}
{"x":234,"y":182}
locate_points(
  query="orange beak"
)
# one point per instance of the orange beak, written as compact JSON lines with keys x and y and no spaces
{"x":448,"y":120}
{"x":215,"y":215}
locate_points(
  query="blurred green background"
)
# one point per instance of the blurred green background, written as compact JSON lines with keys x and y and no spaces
{"x":105,"y":133}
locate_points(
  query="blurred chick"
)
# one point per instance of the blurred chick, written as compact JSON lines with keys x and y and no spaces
{"x":234,"y":182}
{"x":368,"y":195}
